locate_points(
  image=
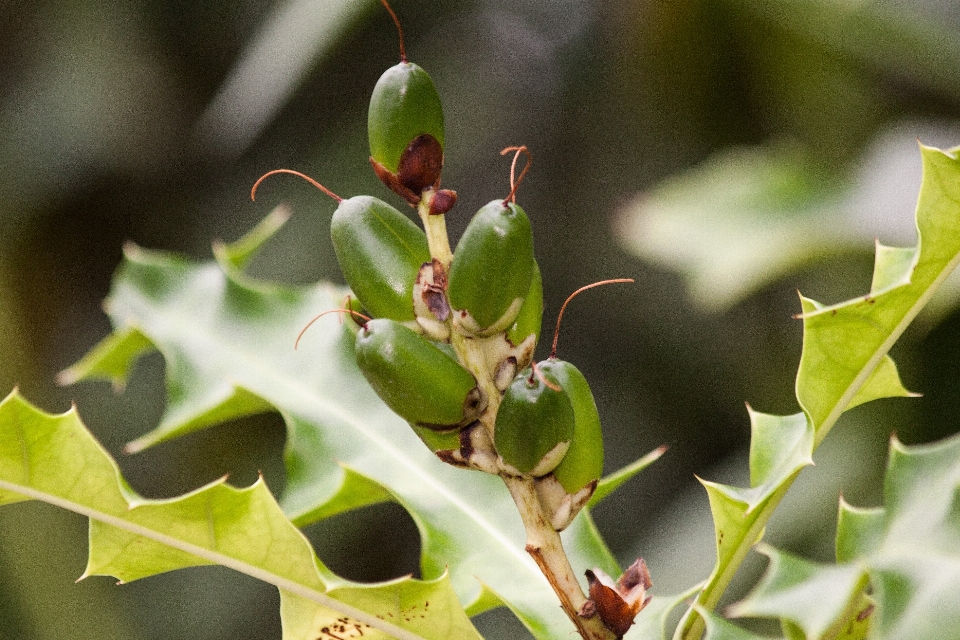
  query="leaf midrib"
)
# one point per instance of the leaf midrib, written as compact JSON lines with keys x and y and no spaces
{"x":291,"y":586}
{"x":301,"y":393}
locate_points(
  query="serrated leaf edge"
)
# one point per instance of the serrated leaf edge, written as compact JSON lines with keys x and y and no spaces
{"x":280,"y":582}
{"x":692,"y":624}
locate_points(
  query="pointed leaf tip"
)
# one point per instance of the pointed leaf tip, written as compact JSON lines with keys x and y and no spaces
{"x":111,"y":359}
{"x":235,"y":255}
{"x":609,"y":484}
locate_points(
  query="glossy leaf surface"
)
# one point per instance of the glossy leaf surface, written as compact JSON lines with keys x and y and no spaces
{"x":227,"y":340}
{"x":908,"y":551}
{"x":53,"y":458}
{"x":844,"y":362}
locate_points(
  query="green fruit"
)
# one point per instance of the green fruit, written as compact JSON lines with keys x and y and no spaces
{"x":468,"y":447}
{"x":492,"y":269}
{"x":438,"y":441}
{"x":534,"y":425}
{"x":422,"y":383}
{"x":583,"y":462}
{"x":404,"y":106}
{"x":380,"y":252}
{"x":531,"y":312}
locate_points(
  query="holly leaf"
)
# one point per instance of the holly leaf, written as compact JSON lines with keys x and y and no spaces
{"x":654,"y":619}
{"x":53,"y":458}
{"x":908,"y":551}
{"x":844,"y":362}
{"x":719,"y":629}
{"x":228,"y":342}
{"x":914,"y":564}
{"x":768,"y":211}
{"x":813,"y":600}
{"x":610,"y":483}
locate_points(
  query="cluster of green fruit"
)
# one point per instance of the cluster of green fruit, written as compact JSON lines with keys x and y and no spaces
{"x":446,"y":339}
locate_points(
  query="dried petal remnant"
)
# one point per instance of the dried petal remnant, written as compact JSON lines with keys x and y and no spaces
{"x":618,"y":603}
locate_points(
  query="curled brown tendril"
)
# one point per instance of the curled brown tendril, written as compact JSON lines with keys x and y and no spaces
{"x":296,"y":343}
{"x":512,"y":196}
{"x":256,"y":185}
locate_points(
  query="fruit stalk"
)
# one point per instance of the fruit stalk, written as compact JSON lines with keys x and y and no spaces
{"x":435,"y":226}
{"x":546,"y":549}
{"x":543,"y":542}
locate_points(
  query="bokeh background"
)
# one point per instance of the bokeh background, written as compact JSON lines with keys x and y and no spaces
{"x":725,"y":153}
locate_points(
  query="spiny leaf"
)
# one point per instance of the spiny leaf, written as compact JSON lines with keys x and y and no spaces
{"x":56,"y":460}
{"x":909,"y":549}
{"x":653,"y":619}
{"x":781,"y":447}
{"x":609,"y":484}
{"x":844,"y":362}
{"x":355,"y":491}
{"x":844,"y":343}
{"x":719,"y":629}
{"x":915,"y":568}
{"x":228,"y":342}
{"x":884,"y":382}
{"x":768,"y":211}
{"x":820,"y":600}
{"x":111,"y":359}
{"x":859,"y":531}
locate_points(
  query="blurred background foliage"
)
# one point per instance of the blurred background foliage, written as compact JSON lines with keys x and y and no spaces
{"x":725,"y":153}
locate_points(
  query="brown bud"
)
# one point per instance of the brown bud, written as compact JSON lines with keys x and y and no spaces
{"x":443,"y":200}
{"x":619,"y":603}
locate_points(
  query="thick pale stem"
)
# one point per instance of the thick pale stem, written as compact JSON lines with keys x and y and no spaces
{"x":546,"y":549}
{"x":436,"y":229}
{"x":471,"y":352}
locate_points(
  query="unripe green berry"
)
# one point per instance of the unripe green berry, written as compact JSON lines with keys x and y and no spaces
{"x":534,"y":425}
{"x":422,"y":383}
{"x":530,"y":316}
{"x":583,"y":462}
{"x":380,"y":252}
{"x":438,"y":441}
{"x":492,"y":269}
{"x":404,"y":105}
